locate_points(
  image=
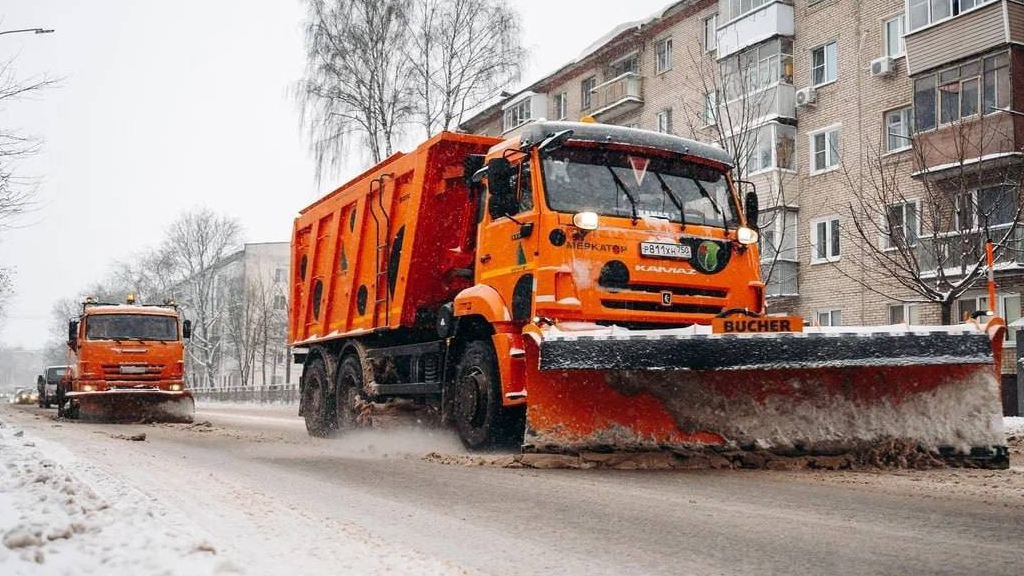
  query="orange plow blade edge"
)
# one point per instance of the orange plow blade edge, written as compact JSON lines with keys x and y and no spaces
{"x":824,"y":391}
{"x":133,"y":405}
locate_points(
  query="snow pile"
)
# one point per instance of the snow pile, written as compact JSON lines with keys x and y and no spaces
{"x":1014,"y":425}
{"x":60,"y":516}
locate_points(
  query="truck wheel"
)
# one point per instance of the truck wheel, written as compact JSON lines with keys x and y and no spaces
{"x":349,"y":393}
{"x":479,"y":416}
{"x":319,"y":408}
{"x":60,"y":401}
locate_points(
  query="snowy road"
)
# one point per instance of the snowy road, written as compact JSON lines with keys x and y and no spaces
{"x":273,"y":501}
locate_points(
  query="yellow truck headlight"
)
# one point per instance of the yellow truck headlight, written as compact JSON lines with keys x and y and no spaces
{"x":174,"y":387}
{"x":88,"y":388}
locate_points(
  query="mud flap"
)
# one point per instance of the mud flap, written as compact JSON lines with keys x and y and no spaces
{"x":134,"y":406}
{"x":824,"y":392}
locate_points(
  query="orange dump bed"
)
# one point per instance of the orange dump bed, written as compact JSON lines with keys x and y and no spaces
{"x":388,"y":247}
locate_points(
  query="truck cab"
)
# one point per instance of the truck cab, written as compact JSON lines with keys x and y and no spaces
{"x":608,"y":225}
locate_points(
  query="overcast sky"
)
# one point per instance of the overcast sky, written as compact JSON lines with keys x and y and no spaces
{"x":168,"y":105}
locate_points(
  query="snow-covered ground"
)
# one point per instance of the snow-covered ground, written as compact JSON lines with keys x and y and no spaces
{"x":1014,"y":425}
{"x":59,"y":515}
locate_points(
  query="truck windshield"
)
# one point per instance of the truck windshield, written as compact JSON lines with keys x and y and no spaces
{"x":54,"y":374}
{"x":131,"y":327}
{"x":610,"y":182}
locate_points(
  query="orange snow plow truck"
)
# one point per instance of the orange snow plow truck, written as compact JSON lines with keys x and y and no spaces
{"x":586,"y":287}
{"x":128,"y":364}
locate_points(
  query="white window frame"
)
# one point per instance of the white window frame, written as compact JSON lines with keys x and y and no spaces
{"x":835,"y":73}
{"x":663,"y":55}
{"x":976,"y":224}
{"x":829,"y":246}
{"x":709,"y":113}
{"x":907,"y":310}
{"x":831,"y":313}
{"x":561,"y":105}
{"x":634,"y":55}
{"x":833,"y":157}
{"x":517,"y":114}
{"x":901,"y":45}
{"x":775,"y":141}
{"x":887,"y":234}
{"x":952,"y":13}
{"x":664,"y":121}
{"x":981,"y":303}
{"x":711,"y":25}
{"x":783,"y":226}
{"x":906,"y":119}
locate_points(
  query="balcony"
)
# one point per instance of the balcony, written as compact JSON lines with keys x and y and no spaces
{"x":754,"y":26}
{"x":781,"y":279}
{"x":964,"y":250}
{"x":618,"y":96}
{"x":758,"y":107}
{"x":975,"y":31}
{"x":969,"y":147}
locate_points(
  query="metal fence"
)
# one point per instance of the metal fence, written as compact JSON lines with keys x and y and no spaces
{"x":274,"y":394}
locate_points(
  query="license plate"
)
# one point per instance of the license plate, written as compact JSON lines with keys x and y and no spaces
{"x":665,"y":250}
{"x":133,"y":369}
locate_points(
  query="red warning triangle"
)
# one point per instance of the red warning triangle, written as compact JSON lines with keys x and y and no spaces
{"x":639,"y":165}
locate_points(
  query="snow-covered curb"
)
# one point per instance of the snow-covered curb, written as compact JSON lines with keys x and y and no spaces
{"x":59,"y":515}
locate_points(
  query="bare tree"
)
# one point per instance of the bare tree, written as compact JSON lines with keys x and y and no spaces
{"x":928,"y":239}
{"x":462,"y":53}
{"x":357,"y":77}
{"x":195,"y":244}
{"x":740,"y":96}
{"x":245,"y":323}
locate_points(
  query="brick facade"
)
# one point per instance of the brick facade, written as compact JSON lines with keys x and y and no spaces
{"x":855,"y":102}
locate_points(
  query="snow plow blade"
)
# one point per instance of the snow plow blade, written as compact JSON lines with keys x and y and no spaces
{"x":133,"y":405}
{"x":826,"y":391}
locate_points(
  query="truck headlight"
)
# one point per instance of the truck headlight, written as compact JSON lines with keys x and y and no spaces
{"x":88,"y":388}
{"x":174,"y":387}
{"x":746,"y":236}
{"x":585,"y":220}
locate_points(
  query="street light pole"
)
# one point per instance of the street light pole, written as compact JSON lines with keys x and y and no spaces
{"x":33,"y":30}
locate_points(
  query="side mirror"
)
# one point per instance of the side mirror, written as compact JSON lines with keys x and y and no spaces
{"x":186,"y":329}
{"x":471,"y":164}
{"x":73,"y":334}
{"x":752,"y":210}
{"x":499,"y":177}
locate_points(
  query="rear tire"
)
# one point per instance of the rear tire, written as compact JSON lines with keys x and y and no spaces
{"x":480,"y":418}
{"x":317,"y":401}
{"x":348,"y":393}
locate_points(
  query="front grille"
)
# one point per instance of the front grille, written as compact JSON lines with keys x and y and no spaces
{"x":112,"y":372}
{"x":679,"y":290}
{"x":656,"y":307}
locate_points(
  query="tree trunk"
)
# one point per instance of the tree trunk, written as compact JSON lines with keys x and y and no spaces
{"x":947,"y":312}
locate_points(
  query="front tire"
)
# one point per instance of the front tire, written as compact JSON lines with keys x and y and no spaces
{"x":480,"y":417}
{"x":317,"y":401}
{"x":348,"y":393}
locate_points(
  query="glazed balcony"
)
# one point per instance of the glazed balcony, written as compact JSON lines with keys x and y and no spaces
{"x":747,"y":28}
{"x":976,"y":31}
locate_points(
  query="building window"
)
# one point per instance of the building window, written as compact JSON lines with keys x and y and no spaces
{"x":587,"y":92}
{"x":824,"y":150}
{"x":561,"y":106}
{"x":778,"y":235}
{"x":824,"y":62}
{"x":628,"y":65}
{"x":665,"y":121}
{"x":774,"y":148}
{"x":710,"y":110}
{"x":829,"y":317}
{"x":904,"y":313}
{"x":758,"y":67}
{"x":732,"y":9}
{"x":978,"y":86}
{"x":902,"y":226}
{"x":663,"y":56}
{"x":1007,"y":308}
{"x":711,"y":33}
{"x":899,"y":125}
{"x":518,"y":114}
{"x":281,"y":275}
{"x":825,"y":240}
{"x":280,"y":302}
{"x":892,"y":36}
{"x":924,"y":12}
{"x":987,"y":207}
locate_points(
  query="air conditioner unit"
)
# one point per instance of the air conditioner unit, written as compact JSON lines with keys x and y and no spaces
{"x":806,"y":97}
{"x":883,"y":66}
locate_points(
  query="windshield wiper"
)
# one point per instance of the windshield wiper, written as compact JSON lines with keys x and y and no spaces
{"x":632,"y":201}
{"x":675,"y":199}
{"x":704,"y":193}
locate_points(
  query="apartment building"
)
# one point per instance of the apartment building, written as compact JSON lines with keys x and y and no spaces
{"x":848,"y":116}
